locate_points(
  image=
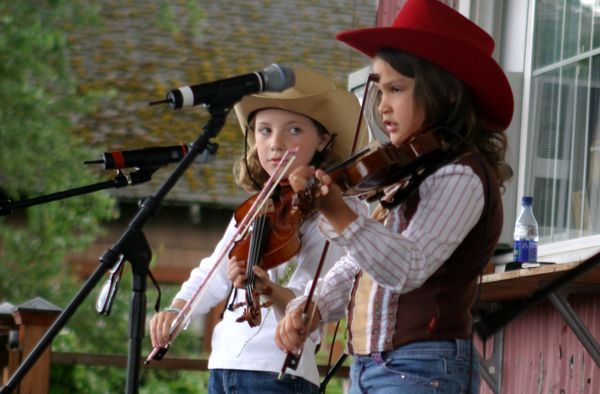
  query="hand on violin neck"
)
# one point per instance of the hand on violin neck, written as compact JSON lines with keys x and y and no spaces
{"x":262,"y":282}
{"x":327,"y":198}
{"x":300,"y":176}
{"x":316,"y":182}
{"x":236,"y":272}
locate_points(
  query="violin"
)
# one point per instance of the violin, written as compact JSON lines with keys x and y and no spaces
{"x":283,"y":219}
{"x":183,"y":317}
{"x":368,"y":172}
{"x":274,"y":238}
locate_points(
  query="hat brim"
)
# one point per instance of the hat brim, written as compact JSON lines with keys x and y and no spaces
{"x":337,"y":110}
{"x":478,"y":71}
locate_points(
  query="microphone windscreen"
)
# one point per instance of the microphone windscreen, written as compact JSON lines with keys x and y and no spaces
{"x":278,"y":78}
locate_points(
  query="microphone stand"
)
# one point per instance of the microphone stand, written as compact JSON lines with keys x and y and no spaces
{"x":493,"y":321}
{"x":133,"y":247}
{"x":139,"y":176}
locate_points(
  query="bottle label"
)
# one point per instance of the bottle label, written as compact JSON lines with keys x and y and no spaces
{"x":524,"y":250}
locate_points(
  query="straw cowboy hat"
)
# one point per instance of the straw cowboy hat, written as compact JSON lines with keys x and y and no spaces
{"x":315,"y":96}
{"x":441,"y":35}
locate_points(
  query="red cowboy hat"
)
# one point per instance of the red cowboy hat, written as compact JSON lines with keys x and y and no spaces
{"x":441,"y":35}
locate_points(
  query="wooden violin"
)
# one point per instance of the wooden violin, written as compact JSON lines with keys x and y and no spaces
{"x":274,"y":238}
{"x":370,"y":170}
{"x":183,"y":317}
{"x":380,"y":165}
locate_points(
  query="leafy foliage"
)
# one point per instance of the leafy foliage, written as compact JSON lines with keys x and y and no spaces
{"x":40,"y":154}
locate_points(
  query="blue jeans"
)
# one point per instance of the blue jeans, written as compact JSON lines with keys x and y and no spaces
{"x":418,"y":368}
{"x":233,"y":381}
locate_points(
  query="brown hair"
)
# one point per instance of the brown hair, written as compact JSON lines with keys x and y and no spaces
{"x":250,"y":174}
{"x":448,"y":104}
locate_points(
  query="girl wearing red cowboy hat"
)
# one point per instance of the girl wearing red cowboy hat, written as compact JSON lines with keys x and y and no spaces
{"x":317,"y":119}
{"x":408,"y":280}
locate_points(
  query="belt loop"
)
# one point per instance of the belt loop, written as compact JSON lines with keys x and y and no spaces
{"x":459,"y":349}
{"x":462,"y":348}
{"x":377,"y":357}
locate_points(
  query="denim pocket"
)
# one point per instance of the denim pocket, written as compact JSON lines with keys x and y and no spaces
{"x":420,"y":372}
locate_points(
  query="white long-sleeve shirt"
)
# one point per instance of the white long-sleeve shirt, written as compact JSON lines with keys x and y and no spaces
{"x":239,"y":346}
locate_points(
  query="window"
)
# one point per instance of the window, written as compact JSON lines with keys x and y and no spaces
{"x":563,"y":154}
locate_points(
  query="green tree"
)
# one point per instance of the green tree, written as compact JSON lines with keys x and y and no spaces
{"x":41,"y":154}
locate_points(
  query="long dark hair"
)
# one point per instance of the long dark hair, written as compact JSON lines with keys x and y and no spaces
{"x":448,"y":104}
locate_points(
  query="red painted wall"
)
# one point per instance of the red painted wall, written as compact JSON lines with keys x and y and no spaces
{"x":542,"y":355}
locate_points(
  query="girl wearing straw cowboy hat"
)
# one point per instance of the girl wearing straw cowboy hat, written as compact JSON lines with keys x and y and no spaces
{"x":318,"y":120}
{"x":408,"y":280}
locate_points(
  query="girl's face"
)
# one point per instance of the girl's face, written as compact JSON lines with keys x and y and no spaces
{"x":277,"y":130}
{"x":400,"y":114}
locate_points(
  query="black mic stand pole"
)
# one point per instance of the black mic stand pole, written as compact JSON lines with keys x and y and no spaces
{"x":493,"y":321}
{"x":139,"y":176}
{"x":134,"y":247}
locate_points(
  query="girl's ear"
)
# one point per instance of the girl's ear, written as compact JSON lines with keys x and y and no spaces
{"x":325,"y":142}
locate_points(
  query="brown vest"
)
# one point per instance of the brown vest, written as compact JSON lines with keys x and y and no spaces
{"x":441,"y":308}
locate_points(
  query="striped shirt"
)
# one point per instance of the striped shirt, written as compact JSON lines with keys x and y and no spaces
{"x":397,"y":257}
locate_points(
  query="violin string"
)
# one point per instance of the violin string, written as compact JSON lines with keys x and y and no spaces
{"x":257,"y":240}
{"x":272,"y":183}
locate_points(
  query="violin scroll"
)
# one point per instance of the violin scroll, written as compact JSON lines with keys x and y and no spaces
{"x":251,"y":313}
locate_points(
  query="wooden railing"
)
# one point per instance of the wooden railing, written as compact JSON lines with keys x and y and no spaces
{"x":188,"y":364}
{"x":21,"y":328}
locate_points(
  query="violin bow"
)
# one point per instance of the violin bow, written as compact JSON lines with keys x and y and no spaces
{"x":292,"y":360}
{"x":183,"y":317}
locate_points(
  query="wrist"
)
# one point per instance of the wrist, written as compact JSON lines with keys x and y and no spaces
{"x":172,"y":309}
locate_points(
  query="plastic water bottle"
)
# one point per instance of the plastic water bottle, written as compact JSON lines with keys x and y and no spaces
{"x":526,"y":233}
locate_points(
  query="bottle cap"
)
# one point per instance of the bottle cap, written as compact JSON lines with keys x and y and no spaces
{"x":527,"y":200}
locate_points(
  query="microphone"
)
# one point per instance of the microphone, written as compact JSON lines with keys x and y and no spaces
{"x":275,"y":78}
{"x":147,"y":157}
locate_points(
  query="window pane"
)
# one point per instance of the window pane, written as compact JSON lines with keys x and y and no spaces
{"x":572,"y":24}
{"x":543,"y":148}
{"x":593,"y":188}
{"x":562,"y":168}
{"x":578,"y":27}
{"x":547,"y":32}
{"x":563,"y":173}
{"x":596,"y":24}
{"x":578,"y":206}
